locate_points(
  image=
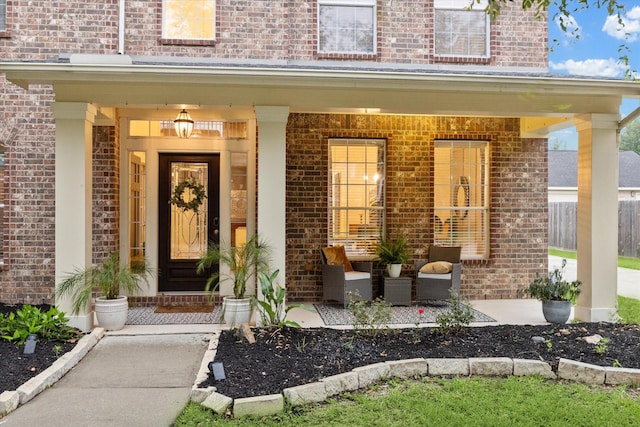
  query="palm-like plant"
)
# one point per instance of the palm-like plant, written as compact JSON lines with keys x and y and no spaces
{"x":244,"y":262}
{"x":109,"y":278}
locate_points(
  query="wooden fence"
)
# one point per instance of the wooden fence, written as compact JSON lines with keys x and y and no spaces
{"x":563,"y":223}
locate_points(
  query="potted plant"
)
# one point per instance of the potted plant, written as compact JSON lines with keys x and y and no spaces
{"x":556,"y":294}
{"x":244,"y":263}
{"x":393,"y":253}
{"x":109,"y":279}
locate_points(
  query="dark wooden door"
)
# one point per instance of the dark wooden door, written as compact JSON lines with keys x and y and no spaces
{"x":188,"y":217}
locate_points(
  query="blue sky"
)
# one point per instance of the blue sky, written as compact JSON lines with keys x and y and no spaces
{"x":594,"y":52}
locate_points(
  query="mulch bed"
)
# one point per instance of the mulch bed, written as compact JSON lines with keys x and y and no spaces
{"x":290,"y":357}
{"x":17,"y":368}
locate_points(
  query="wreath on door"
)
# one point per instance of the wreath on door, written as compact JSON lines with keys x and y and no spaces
{"x":197,"y":191}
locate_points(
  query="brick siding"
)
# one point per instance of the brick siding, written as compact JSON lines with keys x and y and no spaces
{"x":252,"y":29}
{"x":518,"y":195}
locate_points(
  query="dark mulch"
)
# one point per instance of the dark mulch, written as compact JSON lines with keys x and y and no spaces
{"x":291,"y":357}
{"x":17,"y":368}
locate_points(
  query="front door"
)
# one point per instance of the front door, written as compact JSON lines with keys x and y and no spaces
{"x":188,"y":214}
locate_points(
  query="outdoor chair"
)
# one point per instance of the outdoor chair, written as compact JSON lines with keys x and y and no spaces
{"x":437,"y":277}
{"x":344,"y":281}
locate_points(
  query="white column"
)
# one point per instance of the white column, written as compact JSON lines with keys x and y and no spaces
{"x":597,"y":216}
{"x":272,"y":142}
{"x":74,"y":121}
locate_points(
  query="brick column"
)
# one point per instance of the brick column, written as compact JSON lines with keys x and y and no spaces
{"x":74,"y":123}
{"x":597,"y":216}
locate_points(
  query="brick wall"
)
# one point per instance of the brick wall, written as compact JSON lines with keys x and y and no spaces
{"x":254,"y":29}
{"x":106,"y":192}
{"x":518,"y":195}
{"x":29,"y":214}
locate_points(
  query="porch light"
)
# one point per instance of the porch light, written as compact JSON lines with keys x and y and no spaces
{"x":183,"y":124}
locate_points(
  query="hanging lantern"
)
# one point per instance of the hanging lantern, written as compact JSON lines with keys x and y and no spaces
{"x":183,"y":124}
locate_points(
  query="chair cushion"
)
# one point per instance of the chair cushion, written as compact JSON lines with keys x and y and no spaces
{"x":437,"y":267}
{"x":446,"y":276}
{"x":336,"y":255}
{"x":356,"y":275}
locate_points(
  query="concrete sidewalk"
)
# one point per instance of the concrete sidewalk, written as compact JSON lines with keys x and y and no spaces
{"x":628,"y":279}
{"x":141,"y":380}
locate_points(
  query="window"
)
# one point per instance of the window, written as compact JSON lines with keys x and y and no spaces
{"x":137,"y":207}
{"x":461,"y":196}
{"x":356,"y":193}
{"x":188,"y":19}
{"x":3,"y":15}
{"x":460,"y":31}
{"x":347,"y":26}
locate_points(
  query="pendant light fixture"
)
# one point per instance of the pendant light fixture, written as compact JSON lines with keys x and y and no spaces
{"x":183,"y":124}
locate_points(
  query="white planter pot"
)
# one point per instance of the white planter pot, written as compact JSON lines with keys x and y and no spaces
{"x":394,"y":270}
{"x":112,"y":313}
{"x":236,"y":311}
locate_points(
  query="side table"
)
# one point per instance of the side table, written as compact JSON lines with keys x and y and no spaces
{"x":397,"y":290}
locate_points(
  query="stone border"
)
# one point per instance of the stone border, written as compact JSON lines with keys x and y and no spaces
{"x":365,"y":376}
{"x":10,"y":400}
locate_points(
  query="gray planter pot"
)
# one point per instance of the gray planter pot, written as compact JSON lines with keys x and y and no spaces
{"x":556,"y":311}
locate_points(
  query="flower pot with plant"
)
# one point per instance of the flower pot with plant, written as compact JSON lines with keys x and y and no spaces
{"x":556,"y":294}
{"x":110,"y":279}
{"x":393,"y":253}
{"x":243,"y":263}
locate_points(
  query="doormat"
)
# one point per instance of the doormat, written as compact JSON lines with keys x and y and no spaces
{"x":338,"y":315}
{"x":148,"y":316}
{"x":193,"y":308}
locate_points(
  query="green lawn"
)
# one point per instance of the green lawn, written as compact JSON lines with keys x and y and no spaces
{"x":623,"y":261}
{"x":514,"y":401}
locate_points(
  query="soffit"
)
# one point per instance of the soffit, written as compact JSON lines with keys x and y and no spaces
{"x":317,"y":90}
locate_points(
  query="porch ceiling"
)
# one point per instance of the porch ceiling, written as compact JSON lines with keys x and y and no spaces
{"x":316,"y":90}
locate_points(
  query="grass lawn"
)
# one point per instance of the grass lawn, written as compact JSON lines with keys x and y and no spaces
{"x":623,"y":261}
{"x":514,"y":401}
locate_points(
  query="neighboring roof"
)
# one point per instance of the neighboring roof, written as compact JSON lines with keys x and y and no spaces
{"x":563,"y":169}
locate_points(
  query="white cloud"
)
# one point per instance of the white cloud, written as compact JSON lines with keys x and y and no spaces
{"x":590,"y":67}
{"x":631,"y":28}
{"x":572,"y":28}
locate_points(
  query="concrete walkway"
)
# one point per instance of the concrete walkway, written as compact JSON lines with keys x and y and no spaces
{"x":628,"y":279}
{"x":142,"y":380}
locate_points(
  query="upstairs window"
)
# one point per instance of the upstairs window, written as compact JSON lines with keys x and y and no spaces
{"x":356,"y":194}
{"x":460,"y":31}
{"x":188,"y":19}
{"x":347,"y":26}
{"x":3,"y":15}
{"x":461,"y":196}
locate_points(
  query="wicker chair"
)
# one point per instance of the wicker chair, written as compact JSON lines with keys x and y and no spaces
{"x":341,"y":286}
{"x":438,"y":286}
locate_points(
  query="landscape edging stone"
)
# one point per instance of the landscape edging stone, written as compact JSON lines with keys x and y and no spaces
{"x":567,"y":369}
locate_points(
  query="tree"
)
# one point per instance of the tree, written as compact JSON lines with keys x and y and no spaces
{"x":566,"y":9}
{"x":630,"y":137}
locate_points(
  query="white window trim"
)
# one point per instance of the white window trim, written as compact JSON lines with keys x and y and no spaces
{"x":215,"y":29}
{"x":462,"y":5}
{"x":357,"y":3}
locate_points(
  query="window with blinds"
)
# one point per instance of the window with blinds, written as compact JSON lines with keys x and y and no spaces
{"x":189,"y":19}
{"x":461,"y":196}
{"x":460,"y":31}
{"x":347,"y":26}
{"x":356,"y":194}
